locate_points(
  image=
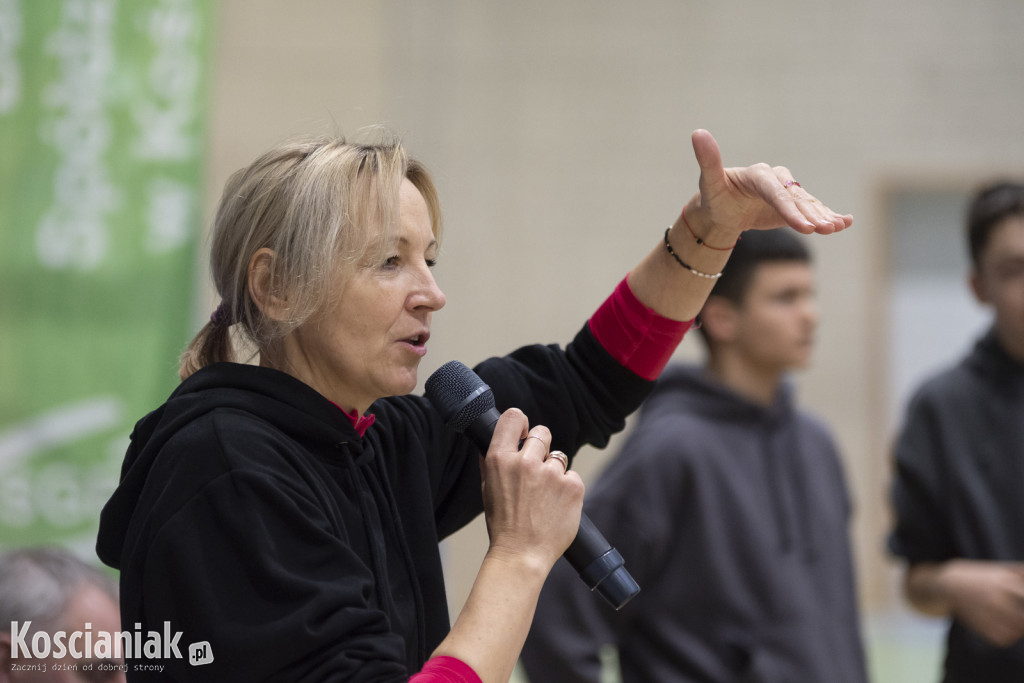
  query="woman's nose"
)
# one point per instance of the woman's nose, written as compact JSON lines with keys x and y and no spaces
{"x":428,"y":294}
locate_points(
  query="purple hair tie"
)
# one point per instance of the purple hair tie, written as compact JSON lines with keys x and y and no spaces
{"x":221,"y":316}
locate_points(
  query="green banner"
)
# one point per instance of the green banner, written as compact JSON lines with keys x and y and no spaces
{"x":102,"y":112}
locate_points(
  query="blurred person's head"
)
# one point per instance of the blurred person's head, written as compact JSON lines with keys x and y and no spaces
{"x":762,"y":314}
{"x":55,"y":591}
{"x":296,"y":234}
{"x":995,"y":231}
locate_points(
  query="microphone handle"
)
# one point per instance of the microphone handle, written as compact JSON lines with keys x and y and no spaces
{"x":599,"y":564}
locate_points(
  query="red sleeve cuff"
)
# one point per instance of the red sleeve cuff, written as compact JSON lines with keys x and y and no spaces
{"x":445,"y":670}
{"x":636,"y":336}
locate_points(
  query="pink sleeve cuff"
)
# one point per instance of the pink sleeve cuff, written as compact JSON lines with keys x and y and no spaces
{"x":636,"y":336}
{"x":445,"y":670}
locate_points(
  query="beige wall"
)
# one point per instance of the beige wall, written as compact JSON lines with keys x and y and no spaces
{"x":559,"y":135}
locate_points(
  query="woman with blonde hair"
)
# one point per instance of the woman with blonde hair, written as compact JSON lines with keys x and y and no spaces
{"x":288,"y":513}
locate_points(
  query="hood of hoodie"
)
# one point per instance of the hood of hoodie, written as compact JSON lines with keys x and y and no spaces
{"x":688,"y":389}
{"x":989,"y":358}
{"x":269,"y":394}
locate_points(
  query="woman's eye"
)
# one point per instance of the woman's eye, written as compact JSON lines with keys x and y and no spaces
{"x":396,"y":261}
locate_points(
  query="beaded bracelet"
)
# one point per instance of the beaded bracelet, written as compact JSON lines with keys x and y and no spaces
{"x":690,"y":268}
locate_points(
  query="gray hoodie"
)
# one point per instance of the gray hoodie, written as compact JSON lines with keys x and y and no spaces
{"x":734,"y":519}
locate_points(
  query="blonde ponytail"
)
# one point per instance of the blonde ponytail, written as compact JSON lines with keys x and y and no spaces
{"x":211,"y":345}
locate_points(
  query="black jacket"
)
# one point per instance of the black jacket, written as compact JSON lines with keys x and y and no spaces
{"x":251,"y":516}
{"x":957,"y":487}
{"x":733,"y":518}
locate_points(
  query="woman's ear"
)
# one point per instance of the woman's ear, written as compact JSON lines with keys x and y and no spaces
{"x":719,"y":319}
{"x":264,"y":290}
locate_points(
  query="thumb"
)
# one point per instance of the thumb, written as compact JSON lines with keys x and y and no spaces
{"x":709,"y":157}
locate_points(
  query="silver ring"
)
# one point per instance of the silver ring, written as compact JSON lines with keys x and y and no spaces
{"x":560,"y":457}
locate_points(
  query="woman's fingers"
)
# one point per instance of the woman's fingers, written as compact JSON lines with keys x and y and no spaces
{"x":824,"y":219}
{"x":709,"y":159}
{"x":511,"y":428}
{"x":561,"y":458}
{"x":532,"y":503}
{"x":537,"y":443}
{"x":792,"y":194}
{"x":788,"y":200}
{"x":537,"y":447}
{"x":758,"y":197}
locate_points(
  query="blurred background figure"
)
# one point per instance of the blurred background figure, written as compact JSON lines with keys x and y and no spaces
{"x":56,"y":591}
{"x":730,"y":506}
{"x":960,"y":461}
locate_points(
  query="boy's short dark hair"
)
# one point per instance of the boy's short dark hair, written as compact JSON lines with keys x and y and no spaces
{"x":754,"y":248}
{"x":991,"y":205}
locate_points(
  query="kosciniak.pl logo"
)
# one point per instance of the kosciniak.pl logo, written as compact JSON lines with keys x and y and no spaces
{"x":104,"y":645}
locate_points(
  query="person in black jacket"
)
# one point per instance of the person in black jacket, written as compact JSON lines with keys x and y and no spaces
{"x":282,"y":519}
{"x":959,"y":461}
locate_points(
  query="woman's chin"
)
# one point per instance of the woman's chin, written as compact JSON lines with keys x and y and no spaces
{"x":404,"y":384}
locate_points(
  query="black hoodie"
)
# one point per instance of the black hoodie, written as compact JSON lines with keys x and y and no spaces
{"x":956,"y":493}
{"x":734,"y":517}
{"x":252,"y":517}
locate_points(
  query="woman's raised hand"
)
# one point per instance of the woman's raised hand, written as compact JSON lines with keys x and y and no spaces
{"x":757,"y":197}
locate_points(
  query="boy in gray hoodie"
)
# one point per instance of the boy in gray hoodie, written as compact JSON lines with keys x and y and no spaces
{"x":729,"y":506}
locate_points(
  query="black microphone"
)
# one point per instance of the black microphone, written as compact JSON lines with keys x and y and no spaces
{"x":467,"y":405}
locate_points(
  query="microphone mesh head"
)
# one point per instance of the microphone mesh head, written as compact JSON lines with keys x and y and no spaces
{"x":458,"y":394}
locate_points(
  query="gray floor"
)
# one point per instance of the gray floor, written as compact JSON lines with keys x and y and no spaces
{"x":904,"y":648}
